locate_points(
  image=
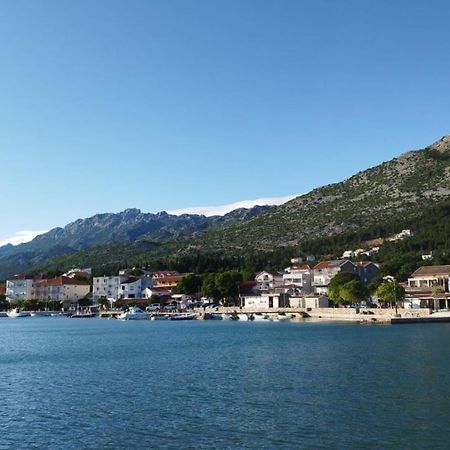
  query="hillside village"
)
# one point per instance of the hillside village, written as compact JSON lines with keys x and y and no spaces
{"x":301,"y":285}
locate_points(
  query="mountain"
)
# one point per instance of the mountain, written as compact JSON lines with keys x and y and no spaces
{"x":403,"y":192}
{"x":128,"y":226}
{"x":402,"y":187}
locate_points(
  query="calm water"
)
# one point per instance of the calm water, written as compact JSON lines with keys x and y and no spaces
{"x":105,"y":384}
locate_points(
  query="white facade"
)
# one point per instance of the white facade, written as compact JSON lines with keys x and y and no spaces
{"x":107,"y":287}
{"x":19,"y":288}
{"x":265,"y":301}
{"x":300,"y":277}
{"x":268,"y":281}
{"x":311,"y":301}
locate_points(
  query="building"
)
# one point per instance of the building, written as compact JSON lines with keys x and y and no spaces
{"x":367,"y":271}
{"x":431,"y":277}
{"x":107,"y":286}
{"x":167,"y":279}
{"x":63,"y":290}
{"x":310,"y":301}
{"x":265,"y":301}
{"x":267,"y":281}
{"x":298,"y":280}
{"x":326,"y":270}
{"x":429,"y":287}
{"x":20,"y":287}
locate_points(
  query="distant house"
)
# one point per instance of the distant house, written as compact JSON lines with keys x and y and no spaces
{"x":63,"y":290}
{"x":265,"y":301}
{"x":431,"y":277}
{"x":20,"y":287}
{"x":367,"y":271}
{"x":107,"y":286}
{"x":167,"y":279}
{"x":267,"y":281}
{"x":311,"y":301}
{"x":298,"y":280}
{"x":326,"y":270}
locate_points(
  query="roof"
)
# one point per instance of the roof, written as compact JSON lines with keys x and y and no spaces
{"x":330,"y":264}
{"x":432,"y":271}
{"x":304,"y":267}
{"x":274,"y":274}
{"x":166,"y":273}
{"x":62,"y":281}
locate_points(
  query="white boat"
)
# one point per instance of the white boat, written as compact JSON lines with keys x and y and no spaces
{"x":259,"y":317}
{"x":243,"y":317}
{"x":232,"y":316}
{"x":82,"y":315}
{"x":134,"y":313}
{"x":159,"y":317}
{"x":15,"y":313}
{"x":284,"y":317}
{"x":192,"y":316}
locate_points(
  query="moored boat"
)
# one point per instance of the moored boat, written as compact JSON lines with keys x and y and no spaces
{"x":16,"y":313}
{"x":192,"y":316}
{"x":82,"y":315}
{"x":134,"y":313}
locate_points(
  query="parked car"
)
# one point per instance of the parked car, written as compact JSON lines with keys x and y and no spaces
{"x":153,"y":307}
{"x":170,"y":307}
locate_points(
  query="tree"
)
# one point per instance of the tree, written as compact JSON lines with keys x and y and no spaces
{"x":102,"y":301}
{"x":228,"y":283}
{"x":154,"y":299}
{"x":210,"y":288}
{"x":354,"y":292}
{"x":390,"y":292}
{"x":336,"y":285}
{"x":4,"y":304}
{"x":189,"y":285}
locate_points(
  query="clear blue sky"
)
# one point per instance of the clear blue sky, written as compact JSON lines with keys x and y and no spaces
{"x":167,"y":104}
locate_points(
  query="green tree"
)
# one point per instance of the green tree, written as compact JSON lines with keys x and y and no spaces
{"x":210,"y":288}
{"x":336,"y":285}
{"x":189,"y":285}
{"x":103,"y":301}
{"x":4,"y":304}
{"x":154,"y":299}
{"x":228,"y":284}
{"x":354,"y":292}
{"x":390,"y":293}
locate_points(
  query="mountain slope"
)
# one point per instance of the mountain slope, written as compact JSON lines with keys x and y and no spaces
{"x":400,"y":187}
{"x":128,"y":226}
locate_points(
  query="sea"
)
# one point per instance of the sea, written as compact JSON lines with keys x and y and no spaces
{"x":108,"y":384}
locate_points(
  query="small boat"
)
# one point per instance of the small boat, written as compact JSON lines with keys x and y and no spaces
{"x":82,"y":315}
{"x":259,"y":317}
{"x":192,"y":316}
{"x":16,"y":313}
{"x":159,"y":317}
{"x":134,"y":313}
{"x":283,"y":316}
{"x":232,"y":316}
{"x":244,"y":317}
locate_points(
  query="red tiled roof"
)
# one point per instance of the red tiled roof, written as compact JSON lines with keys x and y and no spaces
{"x":330,"y":264}
{"x":61,"y":281}
{"x":304,"y":267}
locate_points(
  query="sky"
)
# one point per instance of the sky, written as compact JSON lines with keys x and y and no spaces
{"x":174,"y":104}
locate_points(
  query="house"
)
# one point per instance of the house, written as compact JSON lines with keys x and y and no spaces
{"x":167,"y":279}
{"x":267,"y":281}
{"x":298,"y":280}
{"x":265,"y":301}
{"x":107,"y":286}
{"x":367,"y":271}
{"x":431,"y":277}
{"x":326,"y":270}
{"x":429,"y":287}
{"x":310,"y":301}
{"x":63,"y":290}
{"x":427,"y":257}
{"x":20,"y":287}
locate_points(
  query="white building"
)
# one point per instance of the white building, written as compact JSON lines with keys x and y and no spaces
{"x":298,"y":279}
{"x":63,"y":290}
{"x":19,"y":287}
{"x":309,"y":301}
{"x":264,"y":301}
{"x":108,"y":287}
{"x":268,"y":281}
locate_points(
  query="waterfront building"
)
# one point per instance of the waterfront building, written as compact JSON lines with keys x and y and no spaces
{"x":298,"y":280}
{"x":64,"y":290}
{"x":20,"y":287}
{"x":310,"y":301}
{"x":326,"y":270}
{"x":265,"y":301}
{"x":267,"y":281}
{"x":167,"y":279}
